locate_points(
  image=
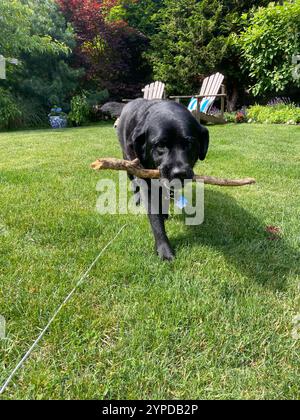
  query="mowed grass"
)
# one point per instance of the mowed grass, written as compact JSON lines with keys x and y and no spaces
{"x":214,"y":324}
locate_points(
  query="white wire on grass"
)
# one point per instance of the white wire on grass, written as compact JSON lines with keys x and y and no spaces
{"x":82,"y":278}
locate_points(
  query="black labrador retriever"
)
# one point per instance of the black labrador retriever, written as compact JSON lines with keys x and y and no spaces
{"x":164,"y":135}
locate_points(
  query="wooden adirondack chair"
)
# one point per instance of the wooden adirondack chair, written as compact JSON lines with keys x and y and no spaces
{"x":201,"y":104}
{"x":155,"y":90}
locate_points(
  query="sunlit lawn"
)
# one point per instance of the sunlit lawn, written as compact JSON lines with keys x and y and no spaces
{"x":216,"y":323}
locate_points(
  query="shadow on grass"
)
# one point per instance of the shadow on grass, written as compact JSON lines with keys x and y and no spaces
{"x":243,"y":240}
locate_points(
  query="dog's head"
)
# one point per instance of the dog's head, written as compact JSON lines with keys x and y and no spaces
{"x":172,"y":147}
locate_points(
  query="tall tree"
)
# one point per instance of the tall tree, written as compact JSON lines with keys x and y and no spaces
{"x":35,"y":32}
{"x":17,"y":30}
{"x":107,"y":46}
{"x":50,"y":78}
{"x":142,"y":14}
{"x":191,"y":38}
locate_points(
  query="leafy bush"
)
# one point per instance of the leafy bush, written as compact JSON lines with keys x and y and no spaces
{"x":240,"y":117}
{"x":79,"y":110}
{"x":237,"y":117}
{"x":97,"y":98}
{"x":38,"y":35}
{"x":33,"y":114}
{"x":9,"y":109}
{"x":230,"y":117}
{"x":268,"y":45}
{"x":20,"y":113}
{"x":278,"y":114}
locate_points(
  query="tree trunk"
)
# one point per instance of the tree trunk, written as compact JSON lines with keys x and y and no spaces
{"x":232,"y":99}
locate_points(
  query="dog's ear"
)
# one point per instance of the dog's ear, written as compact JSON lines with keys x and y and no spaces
{"x":139,"y":142}
{"x":204,"y":142}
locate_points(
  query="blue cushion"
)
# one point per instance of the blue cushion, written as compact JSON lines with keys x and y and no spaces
{"x":193,"y":104}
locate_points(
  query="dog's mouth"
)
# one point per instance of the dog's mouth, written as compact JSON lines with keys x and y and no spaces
{"x":177,"y":174}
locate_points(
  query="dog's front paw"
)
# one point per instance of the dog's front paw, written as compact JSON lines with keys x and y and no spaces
{"x":165,"y":252}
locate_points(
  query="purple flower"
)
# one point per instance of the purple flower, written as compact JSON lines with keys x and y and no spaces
{"x":279,"y":101}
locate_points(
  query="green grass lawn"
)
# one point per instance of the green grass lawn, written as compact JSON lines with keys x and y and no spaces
{"x":215,"y":324}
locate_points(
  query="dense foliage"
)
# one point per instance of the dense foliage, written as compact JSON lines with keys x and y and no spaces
{"x":268,"y":45}
{"x":191,"y":39}
{"x":109,"y":49}
{"x":278,"y":114}
{"x":43,"y":43}
{"x":79,"y":110}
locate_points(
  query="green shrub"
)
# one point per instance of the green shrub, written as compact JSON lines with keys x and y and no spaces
{"x":9,"y":110}
{"x":20,"y":113}
{"x":79,"y":110}
{"x":33,"y":114}
{"x":97,"y":98}
{"x":268,"y":44}
{"x":278,"y":114}
{"x":230,"y":117}
{"x":236,"y":117}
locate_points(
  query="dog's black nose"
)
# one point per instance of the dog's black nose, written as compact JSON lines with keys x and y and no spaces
{"x":182,"y":173}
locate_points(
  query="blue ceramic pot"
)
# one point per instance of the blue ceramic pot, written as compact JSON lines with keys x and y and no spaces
{"x":58,"y":122}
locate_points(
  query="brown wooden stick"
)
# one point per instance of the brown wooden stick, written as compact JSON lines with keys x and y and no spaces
{"x":134,"y":168}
